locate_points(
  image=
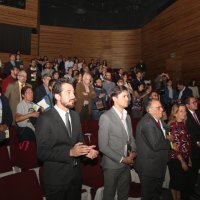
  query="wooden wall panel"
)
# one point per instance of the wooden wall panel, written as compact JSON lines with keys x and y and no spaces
{"x":174,"y":34}
{"x":21,"y":17}
{"x":119,"y":48}
{"x":4,"y":57}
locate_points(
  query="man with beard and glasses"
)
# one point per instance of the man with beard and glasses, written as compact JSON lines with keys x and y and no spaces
{"x":99,"y":103}
{"x":108,"y":85}
{"x":60,"y":146}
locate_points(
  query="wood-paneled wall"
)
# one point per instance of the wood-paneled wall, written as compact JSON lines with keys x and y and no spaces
{"x":171,"y":42}
{"x":119,"y":48}
{"x":4,"y":57}
{"x":27,"y":17}
{"x":20,"y":17}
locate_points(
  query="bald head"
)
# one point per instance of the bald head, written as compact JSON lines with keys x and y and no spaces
{"x":155,"y":108}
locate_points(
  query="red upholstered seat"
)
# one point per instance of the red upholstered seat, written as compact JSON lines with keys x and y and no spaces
{"x":92,"y":174}
{"x":90,"y":131}
{"x":5,"y":163}
{"x":13,"y":135}
{"x":20,"y":186}
{"x":25,"y":158}
{"x":90,"y":126}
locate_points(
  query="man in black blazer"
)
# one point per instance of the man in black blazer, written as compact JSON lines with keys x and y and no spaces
{"x":5,"y":116}
{"x":183,"y":92}
{"x":153,"y":146}
{"x":60,"y":146}
{"x":193,"y":127}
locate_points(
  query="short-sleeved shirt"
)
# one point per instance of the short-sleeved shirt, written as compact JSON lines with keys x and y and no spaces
{"x":24,"y":108}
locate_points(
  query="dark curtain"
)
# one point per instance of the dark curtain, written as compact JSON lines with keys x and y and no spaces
{"x":15,"y":38}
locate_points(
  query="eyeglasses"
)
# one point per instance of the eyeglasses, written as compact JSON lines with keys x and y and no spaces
{"x":158,"y":107}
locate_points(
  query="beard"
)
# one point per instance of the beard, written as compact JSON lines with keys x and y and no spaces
{"x":68,"y":105}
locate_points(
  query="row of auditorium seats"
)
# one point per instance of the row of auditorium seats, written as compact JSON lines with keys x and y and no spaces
{"x":17,"y":160}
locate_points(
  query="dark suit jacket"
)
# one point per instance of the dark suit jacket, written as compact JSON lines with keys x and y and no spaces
{"x":7,"y":68}
{"x":194,"y":131}
{"x":186,"y":93}
{"x":165,"y":96}
{"x":39,"y":93}
{"x":152,"y":148}
{"x":54,"y":144}
{"x":6,"y":111}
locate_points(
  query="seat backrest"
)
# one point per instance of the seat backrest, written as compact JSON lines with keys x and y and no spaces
{"x":13,"y":135}
{"x":90,"y":126}
{"x":134,"y":125}
{"x":92,"y":173}
{"x":25,"y":158}
{"x":23,"y":186}
{"x":5,"y":163}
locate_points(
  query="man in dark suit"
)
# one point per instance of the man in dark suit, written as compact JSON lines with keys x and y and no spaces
{"x":152,"y":150}
{"x":193,"y":127}
{"x":117,"y":144}
{"x":60,"y":145}
{"x":184,"y":92}
{"x":42,"y":90}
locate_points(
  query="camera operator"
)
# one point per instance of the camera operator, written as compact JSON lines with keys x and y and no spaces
{"x":160,"y":82}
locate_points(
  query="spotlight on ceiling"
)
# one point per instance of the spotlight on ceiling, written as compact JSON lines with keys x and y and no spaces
{"x":80,"y":11}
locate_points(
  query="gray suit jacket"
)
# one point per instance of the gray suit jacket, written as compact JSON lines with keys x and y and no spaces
{"x":13,"y":95}
{"x":152,"y":148}
{"x":112,"y":138}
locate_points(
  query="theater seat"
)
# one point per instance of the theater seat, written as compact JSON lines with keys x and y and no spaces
{"x":13,"y":135}
{"x":25,"y":158}
{"x":92,"y":174}
{"x":20,"y":186}
{"x":5,"y":162}
{"x":90,"y":126}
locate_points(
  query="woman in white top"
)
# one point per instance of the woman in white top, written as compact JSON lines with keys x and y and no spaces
{"x":194,"y":88}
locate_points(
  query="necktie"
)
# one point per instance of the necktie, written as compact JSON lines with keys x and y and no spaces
{"x":196,"y":118}
{"x":159,"y":123}
{"x":68,"y":125}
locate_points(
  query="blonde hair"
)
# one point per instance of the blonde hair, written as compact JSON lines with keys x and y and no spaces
{"x":174,"y":111}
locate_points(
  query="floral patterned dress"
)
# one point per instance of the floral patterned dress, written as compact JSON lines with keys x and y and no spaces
{"x":179,"y":177}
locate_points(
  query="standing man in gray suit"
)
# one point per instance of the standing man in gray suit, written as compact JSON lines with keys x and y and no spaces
{"x":117,"y":144}
{"x":152,"y":150}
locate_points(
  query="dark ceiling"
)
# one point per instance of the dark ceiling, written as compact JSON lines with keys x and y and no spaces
{"x":101,"y":14}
